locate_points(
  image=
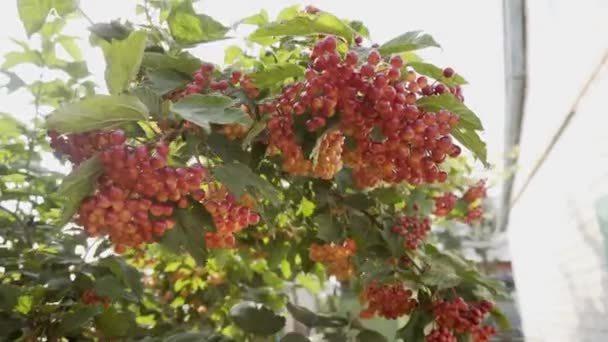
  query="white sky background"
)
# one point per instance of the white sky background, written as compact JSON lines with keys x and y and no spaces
{"x":470,"y":34}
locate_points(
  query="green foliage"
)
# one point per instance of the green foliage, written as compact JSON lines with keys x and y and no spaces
{"x":204,"y":110}
{"x":57,"y":282}
{"x":187,"y":27}
{"x":409,"y":41}
{"x":123,"y":59}
{"x":97,"y":112}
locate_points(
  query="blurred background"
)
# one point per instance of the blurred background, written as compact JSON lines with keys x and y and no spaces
{"x":538,"y":78}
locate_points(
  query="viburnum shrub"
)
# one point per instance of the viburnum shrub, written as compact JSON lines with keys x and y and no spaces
{"x":312,"y":154}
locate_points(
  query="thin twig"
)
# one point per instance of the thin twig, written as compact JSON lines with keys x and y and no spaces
{"x":573,"y":110}
{"x":86,"y":16}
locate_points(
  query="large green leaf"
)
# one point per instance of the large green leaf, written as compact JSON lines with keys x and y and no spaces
{"x":188,"y":337}
{"x":188,"y":233}
{"x":435,"y":72}
{"x":312,"y":320}
{"x":110,"y":31}
{"x":79,"y":184}
{"x":276,"y":73}
{"x":76,"y":318}
{"x":408,"y":41}
{"x":303,"y":25}
{"x":183,"y":62}
{"x":256,"y":319}
{"x":64,"y":7}
{"x":163,"y":81}
{"x":239,"y":178}
{"x":123,"y":59}
{"x":204,"y":110}
{"x":10,"y":127}
{"x":328,"y":228}
{"x":97,"y":112}
{"x":14,"y":82}
{"x":468,"y":119}
{"x":187,"y":27}
{"x":413,"y":331}
{"x":8,"y":297}
{"x":471,"y":140}
{"x":113,"y":323}
{"x":33,"y":14}
{"x":370,"y":336}
{"x":111,"y":287}
{"x":128,"y":274}
{"x":258,"y":19}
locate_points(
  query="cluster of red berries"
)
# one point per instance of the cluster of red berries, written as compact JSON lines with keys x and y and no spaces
{"x":445,"y":203}
{"x":372,"y":96}
{"x":388,"y":301}
{"x":413,"y":230}
{"x":336,"y":258}
{"x":229,"y":216}
{"x":90,"y":297}
{"x":473,"y":197}
{"x":137,"y":194}
{"x":441,"y":334}
{"x":79,"y":147}
{"x":458,"y":317}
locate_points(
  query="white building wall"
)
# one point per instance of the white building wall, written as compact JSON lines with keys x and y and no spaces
{"x":559,"y":254}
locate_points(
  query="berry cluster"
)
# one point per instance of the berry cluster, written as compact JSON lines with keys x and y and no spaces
{"x":229,"y":216}
{"x":90,"y":297}
{"x":336,"y":258}
{"x":78,"y":147}
{"x":388,"y":301}
{"x":137,"y":194}
{"x":445,"y":203}
{"x":408,"y":144}
{"x":413,"y":230}
{"x":459,"y":317}
{"x":441,"y":334}
{"x":473,"y":197}
{"x":328,"y":161}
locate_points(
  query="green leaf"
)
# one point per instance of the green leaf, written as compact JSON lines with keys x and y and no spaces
{"x":69,"y":45}
{"x":312,"y":320}
{"x":230,"y":151}
{"x":113,"y":323}
{"x":360,"y":28}
{"x":499,"y":317}
{"x":468,"y":119}
{"x":239,"y":178}
{"x":79,"y":184}
{"x":188,"y":337}
{"x":163,"y":81}
{"x":24,"y":304}
{"x":33,"y":14}
{"x":413,"y":331}
{"x":409,"y":41}
{"x":257,"y":19}
{"x":370,"y":336}
{"x":128,"y":274}
{"x":188,"y":233}
{"x":310,"y":282}
{"x":441,"y":274}
{"x":306,"y":208}
{"x":189,"y":28}
{"x":109,"y":286}
{"x":377,"y":135}
{"x":203,"y":110}
{"x":8,"y":297}
{"x":123,"y":59}
{"x":184,"y":63}
{"x":328,"y":228}
{"x":110,"y":31}
{"x":389,"y":195}
{"x":14,"y":58}
{"x":256,"y":319}
{"x":77,"y":318}
{"x":471,"y":140}
{"x":97,"y":112}
{"x":276,"y":73}
{"x":64,"y":7}
{"x":257,"y":128}
{"x":76,"y":70}
{"x":289,"y":12}
{"x":294,"y":337}
{"x":435,"y":72}
{"x":152,"y":101}
{"x":303,"y":25}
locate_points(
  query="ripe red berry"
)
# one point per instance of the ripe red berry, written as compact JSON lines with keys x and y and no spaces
{"x":448,"y":72}
{"x":374,"y":57}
